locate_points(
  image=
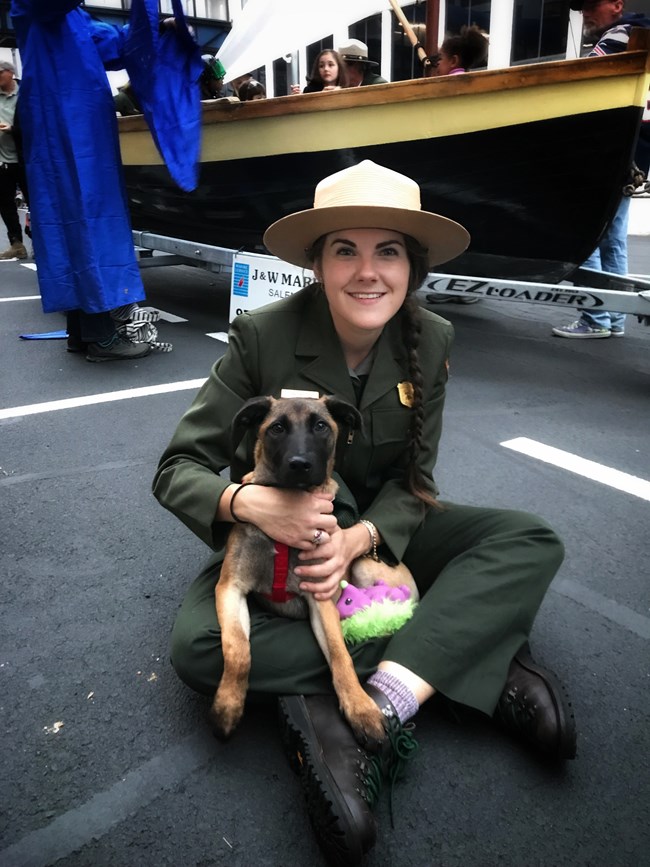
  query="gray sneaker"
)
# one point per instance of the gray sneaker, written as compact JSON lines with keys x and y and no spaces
{"x":119,"y":349}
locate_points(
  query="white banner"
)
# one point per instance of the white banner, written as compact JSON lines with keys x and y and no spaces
{"x":258,"y":280}
{"x":265,"y":31}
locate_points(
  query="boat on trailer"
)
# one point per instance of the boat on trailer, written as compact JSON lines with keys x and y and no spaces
{"x":531,"y":159}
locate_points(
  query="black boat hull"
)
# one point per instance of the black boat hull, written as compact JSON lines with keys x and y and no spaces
{"x":535,"y":195}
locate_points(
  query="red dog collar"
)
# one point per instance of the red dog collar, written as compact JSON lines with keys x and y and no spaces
{"x":279,"y":592}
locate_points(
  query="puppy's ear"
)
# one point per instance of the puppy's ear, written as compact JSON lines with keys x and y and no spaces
{"x":249,"y":417}
{"x":343,"y":412}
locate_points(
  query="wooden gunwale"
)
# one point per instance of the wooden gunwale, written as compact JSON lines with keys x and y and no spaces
{"x":629,"y":63}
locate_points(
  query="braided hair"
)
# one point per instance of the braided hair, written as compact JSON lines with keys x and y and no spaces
{"x":411,"y":329}
{"x":411,"y":322}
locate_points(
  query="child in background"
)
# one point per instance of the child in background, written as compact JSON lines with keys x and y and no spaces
{"x":251,"y":90}
{"x":461,"y":52}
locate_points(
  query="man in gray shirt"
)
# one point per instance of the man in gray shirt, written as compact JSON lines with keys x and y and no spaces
{"x":11,"y":175}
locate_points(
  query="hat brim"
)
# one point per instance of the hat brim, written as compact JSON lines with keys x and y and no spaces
{"x":291,"y":237}
{"x":364,"y":60}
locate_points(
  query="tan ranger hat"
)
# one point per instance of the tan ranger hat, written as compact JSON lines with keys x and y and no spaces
{"x":365,"y":196}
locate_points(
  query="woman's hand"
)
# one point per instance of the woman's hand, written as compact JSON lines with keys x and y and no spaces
{"x":335,"y":554}
{"x":295,"y":88}
{"x":288,"y":516}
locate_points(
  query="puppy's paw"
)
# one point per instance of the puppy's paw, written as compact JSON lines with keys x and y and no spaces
{"x":366,"y":721}
{"x":224,"y":716}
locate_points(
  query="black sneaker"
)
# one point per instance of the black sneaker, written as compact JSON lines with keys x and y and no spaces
{"x":341,"y":780}
{"x":534,"y":708}
{"x":119,"y":349}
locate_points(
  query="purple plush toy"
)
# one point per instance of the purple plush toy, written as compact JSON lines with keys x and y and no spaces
{"x":368,"y":612}
{"x":354,"y":599}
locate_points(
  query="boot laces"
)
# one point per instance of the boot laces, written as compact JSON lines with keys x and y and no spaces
{"x":390,"y":762}
{"x":516,"y":711}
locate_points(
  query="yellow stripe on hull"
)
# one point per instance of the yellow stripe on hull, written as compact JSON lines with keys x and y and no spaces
{"x":416,"y":110}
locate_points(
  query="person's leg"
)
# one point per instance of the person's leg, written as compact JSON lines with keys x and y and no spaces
{"x":612,"y":257}
{"x":102,"y":342}
{"x":600,"y":319}
{"x":84,"y":328}
{"x":482,"y":575}
{"x":613,"y":249}
{"x":21,"y":180}
{"x":483,"y":580}
{"x":95,"y":335}
{"x":73,"y":327}
{"x":9,"y":212}
{"x":96,"y":327}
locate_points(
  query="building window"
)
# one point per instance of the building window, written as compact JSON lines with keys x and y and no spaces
{"x":281,"y":83}
{"x":539,"y":30}
{"x":406,"y":64}
{"x":467,"y":12}
{"x":369,"y":32}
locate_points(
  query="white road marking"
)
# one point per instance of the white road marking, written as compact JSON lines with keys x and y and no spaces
{"x":609,"y":608}
{"x":30,"y":265}
{"x":581,"y":466}
{"x":170,"y":317}
{"x":23,"y":298}
{"x":106,"y":397}
{"x":104,"y":811}
{"x":219,"y":335}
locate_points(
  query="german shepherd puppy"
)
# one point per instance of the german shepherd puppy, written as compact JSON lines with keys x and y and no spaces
{"x":295,"y":447}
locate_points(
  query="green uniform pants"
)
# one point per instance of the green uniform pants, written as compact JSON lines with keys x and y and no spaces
{"x":482,"y":575}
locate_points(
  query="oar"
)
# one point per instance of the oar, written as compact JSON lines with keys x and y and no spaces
{"x":415,"y":42}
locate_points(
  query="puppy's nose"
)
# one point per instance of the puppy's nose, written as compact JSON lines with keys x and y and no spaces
{"x":299,"y":464}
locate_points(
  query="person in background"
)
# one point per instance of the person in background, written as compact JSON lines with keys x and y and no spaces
{"x":251,"y":90}
{"x":80,"y":225}
{"x":126,"y":102}
{"x":461,"y":52}
{"x":607,"y":27}
{"x":329,"y":72}
{"x":211,"y":80}
{"x":11,"y":170}
{"x":241,"y":79}
{"x":211,"y":85}
{"x":359,"y":334}
{"x":360,"y":69}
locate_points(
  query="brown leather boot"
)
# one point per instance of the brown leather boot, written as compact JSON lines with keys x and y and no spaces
{"x":341,"y":779}
{"x":534,"y":708}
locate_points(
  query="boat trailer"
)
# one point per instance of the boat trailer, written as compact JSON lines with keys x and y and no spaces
{"x":589,"y":290}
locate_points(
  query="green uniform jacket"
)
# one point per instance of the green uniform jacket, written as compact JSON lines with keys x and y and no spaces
{"x":370,"y":77}
{"x":292,"y":344}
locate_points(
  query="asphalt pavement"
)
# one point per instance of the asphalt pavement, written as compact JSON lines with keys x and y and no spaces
{"x":106,"y":758}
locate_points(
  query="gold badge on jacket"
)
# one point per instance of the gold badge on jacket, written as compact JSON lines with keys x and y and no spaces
{"x":405,"y":392}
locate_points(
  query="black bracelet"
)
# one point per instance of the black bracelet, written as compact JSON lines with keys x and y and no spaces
{"x":232,"y":503}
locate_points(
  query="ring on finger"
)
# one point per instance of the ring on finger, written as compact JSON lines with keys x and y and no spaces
{"x":318,"y":537}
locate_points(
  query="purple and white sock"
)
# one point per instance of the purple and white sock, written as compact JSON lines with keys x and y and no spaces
{"x":397,"y":692}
